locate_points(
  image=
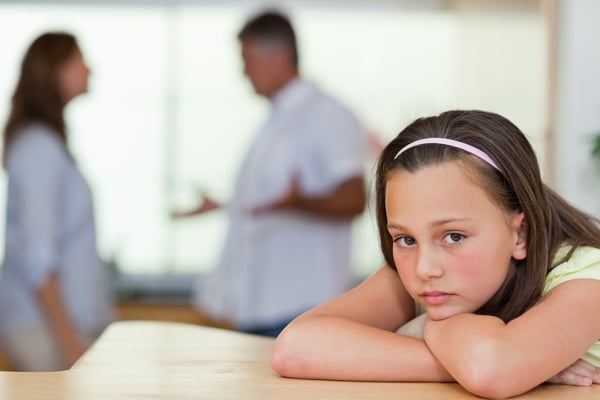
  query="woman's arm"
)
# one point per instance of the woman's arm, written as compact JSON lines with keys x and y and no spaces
{"x":494,"y":359}
{"x":69,"y":343}
{"x":352,"y":338}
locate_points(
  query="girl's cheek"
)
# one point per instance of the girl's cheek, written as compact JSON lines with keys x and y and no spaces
{"x":405,"y":272}
{"x":467,"y":264}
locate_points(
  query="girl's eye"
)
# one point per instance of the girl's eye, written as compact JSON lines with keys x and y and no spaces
{"x":453,"y":238}
{"x":404,"y":241}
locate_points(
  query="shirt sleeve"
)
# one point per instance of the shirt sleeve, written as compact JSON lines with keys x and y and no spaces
{"x":35,"y":164}
{"x":583,"y":264}
{"x":335,"y":148}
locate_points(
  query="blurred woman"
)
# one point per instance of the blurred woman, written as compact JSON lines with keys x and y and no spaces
{"x":54,"y":293}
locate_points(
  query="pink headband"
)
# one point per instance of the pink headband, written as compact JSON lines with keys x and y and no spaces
{"x":452,"y":143}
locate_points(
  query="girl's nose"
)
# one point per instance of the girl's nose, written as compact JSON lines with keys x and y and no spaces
{"x":428,"y":265}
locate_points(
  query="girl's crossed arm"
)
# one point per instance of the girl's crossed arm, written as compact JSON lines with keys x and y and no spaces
{"x":494,"y":359}
{"x":353,"y":338}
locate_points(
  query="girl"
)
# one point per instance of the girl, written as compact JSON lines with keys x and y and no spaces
{"x":506,"y":272}
{"x":54,"y":294}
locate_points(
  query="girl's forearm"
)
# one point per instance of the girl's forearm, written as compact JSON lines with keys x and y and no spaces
{"x":474,"y":350}
{"x":323,"y":347}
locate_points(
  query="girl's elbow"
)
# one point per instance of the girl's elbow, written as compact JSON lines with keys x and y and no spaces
{"x":484,"y":374}
{"x":488,"y":386}
{"x":280,"y":358}
{"x":495,"y":390}
{"x":286,"y":356}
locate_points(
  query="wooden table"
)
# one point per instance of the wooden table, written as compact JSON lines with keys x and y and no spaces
{"x":175,"y":361}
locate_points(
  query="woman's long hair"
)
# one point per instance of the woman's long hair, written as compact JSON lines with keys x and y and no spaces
{"x":37,"y":96}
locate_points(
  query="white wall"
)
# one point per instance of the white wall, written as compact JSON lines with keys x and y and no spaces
{"x":577,"y":115}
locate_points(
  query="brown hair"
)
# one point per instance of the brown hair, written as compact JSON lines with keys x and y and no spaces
{"x":37,"y":97}
{"x":549,"y":220}
{"x":274,"y":27}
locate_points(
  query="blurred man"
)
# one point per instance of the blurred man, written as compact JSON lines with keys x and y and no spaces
{"x":301,"y":184}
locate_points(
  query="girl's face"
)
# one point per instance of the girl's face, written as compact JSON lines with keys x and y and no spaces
{"x":73,"y":77}
{"x":453,"y":245}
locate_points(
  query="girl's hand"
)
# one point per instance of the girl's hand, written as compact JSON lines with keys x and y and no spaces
{"x":580,"y":373}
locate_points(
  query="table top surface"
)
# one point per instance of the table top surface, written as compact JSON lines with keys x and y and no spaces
{"x":156,"y":360}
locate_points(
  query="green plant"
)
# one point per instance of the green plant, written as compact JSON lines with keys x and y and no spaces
{"x":596,"y":146}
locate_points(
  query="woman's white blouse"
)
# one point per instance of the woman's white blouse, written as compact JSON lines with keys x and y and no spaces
{"x":50,"y":227}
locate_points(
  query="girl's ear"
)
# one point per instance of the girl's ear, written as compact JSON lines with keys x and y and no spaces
{"x":520,"y":225}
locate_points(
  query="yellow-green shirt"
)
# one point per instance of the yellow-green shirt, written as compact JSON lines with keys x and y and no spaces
{"x":583,"y":264}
